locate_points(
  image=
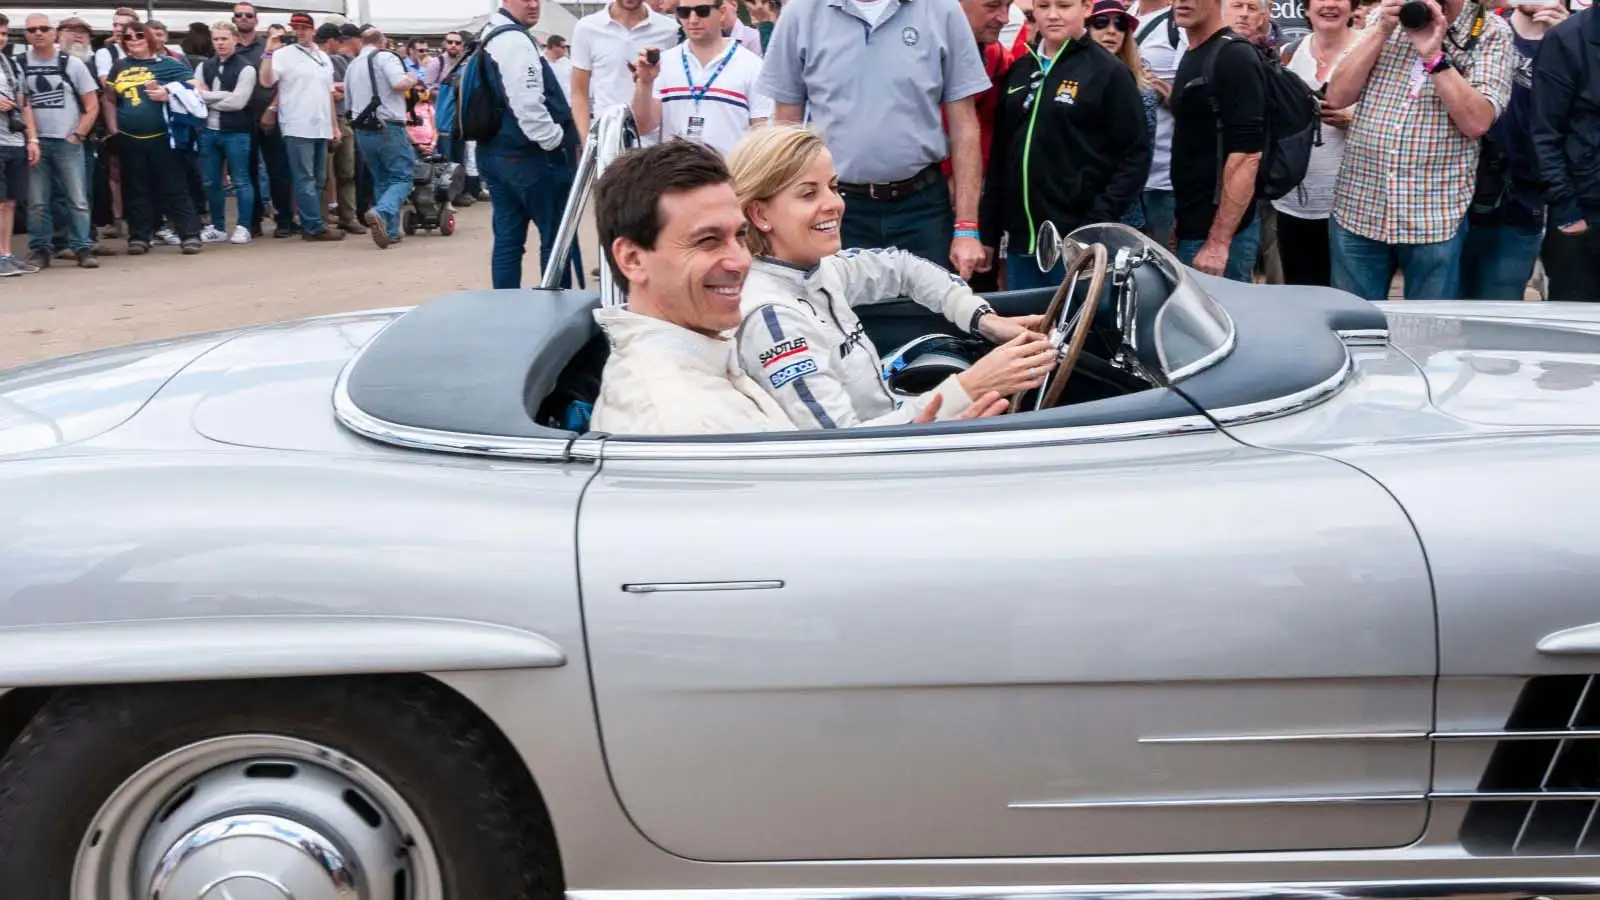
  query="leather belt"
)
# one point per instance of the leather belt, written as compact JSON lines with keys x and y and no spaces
{"x":894,"y":190}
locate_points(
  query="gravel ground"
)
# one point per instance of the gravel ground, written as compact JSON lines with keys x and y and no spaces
{"x":64,"y":310}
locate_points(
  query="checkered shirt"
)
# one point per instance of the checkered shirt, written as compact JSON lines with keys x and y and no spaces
{"x":1408,"y":174}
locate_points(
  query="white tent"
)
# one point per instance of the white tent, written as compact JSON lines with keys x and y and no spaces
{"x":426,"y":18}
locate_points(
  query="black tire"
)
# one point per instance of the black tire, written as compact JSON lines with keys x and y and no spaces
{"x":457,"y":772}
{"x":447,"y":225}
{"x":408,"y":224}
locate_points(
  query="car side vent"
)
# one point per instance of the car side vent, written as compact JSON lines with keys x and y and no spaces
{"x":1540,"y":794}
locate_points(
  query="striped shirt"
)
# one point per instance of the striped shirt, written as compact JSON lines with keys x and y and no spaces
{"x":725,"y":108}
{"x":1408,"y":173}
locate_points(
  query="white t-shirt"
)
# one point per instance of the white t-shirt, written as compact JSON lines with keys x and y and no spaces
{"x":876,"y":10}
{"x":725,"y":109}
{"x":1313,"y":199}
{"x":358,"y":85}
{"x":305,"y":91}
{"x":105,"y":58}
{"x":604,"y":47}
{"x":563,"y":69}
{"x":1162,"y":58}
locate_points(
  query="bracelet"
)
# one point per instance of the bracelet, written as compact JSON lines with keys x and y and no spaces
{"x":967,"y":226}
{"x":968,"y":233}
{"x":1432,"y":64}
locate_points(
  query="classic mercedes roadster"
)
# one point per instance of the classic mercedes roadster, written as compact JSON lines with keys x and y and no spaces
{"x":1273,"y":593}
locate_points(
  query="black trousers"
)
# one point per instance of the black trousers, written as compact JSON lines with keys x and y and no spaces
{"x":1572,"y":263}
{"x":154,"y":181}
{"x":1304,"y":250}
{"x":268,"y":147}
{"x":197,"y":184}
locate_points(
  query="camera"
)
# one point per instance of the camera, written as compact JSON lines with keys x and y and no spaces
{"x":14,"y":121}
{"x":652,"y":56}
{"x":1414,"y":15}
{"x":289,"y":38}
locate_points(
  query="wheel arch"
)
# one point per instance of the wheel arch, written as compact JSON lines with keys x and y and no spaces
{"x":19,"y":707}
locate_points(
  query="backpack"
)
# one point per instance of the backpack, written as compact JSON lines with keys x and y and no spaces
{"x":479,"y":105}
{"x":1294,"y":122}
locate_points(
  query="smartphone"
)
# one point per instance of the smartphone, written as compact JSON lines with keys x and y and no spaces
{"x":652,"y":56}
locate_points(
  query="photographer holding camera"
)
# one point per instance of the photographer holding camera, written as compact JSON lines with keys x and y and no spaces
{"x":1431,"y":81}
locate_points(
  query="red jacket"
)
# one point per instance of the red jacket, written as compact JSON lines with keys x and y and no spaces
{"x":996,"y":60}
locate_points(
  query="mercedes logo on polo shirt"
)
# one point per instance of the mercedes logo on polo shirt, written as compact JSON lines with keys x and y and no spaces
{"x":909,"y":35}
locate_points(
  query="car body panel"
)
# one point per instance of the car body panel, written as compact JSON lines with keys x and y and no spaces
{"x":819,"y":720}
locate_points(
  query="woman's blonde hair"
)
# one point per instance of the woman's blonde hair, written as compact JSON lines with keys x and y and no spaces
{"x":226,"y":28}
{"x":764,"y":162}
{"x":1129,"y":54}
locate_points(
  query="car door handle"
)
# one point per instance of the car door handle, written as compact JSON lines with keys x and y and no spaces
{"x":1583,"y":640}
{"x":665,"y":586}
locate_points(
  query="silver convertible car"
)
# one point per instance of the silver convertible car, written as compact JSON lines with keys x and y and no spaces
{"x":1278,"y":595}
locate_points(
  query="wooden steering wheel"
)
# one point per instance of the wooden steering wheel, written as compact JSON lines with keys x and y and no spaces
{"x":1067,"y":327}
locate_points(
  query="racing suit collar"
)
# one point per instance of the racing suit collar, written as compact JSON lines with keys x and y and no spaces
{"x":629,"y":331}
{"x":781,"y":269}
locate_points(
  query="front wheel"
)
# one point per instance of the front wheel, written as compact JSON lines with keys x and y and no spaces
{"x":336,"y":789}
{"x":447,"y":225}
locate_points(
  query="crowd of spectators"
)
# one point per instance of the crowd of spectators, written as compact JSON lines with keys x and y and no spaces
{"x":146,"y":140}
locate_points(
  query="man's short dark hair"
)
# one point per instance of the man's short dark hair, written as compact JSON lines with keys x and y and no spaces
{"x":349,"y":31}
{"x":556,"y":40}
{"x":628,"y":197}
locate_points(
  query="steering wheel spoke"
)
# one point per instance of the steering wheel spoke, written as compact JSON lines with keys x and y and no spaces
{"x":1069,"y":327}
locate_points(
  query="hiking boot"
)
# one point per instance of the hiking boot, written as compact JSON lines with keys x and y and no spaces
{"x":88,"y":260}
{"x":352,"y":227}
{"x":326,"y":235}
{"x":66,"y":253}
{"x":191,"y":246}
{"x":380,"y":231}
{"x":39,"y":259}
{"x":138,"y":248}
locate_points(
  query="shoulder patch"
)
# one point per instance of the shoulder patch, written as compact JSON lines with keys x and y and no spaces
{"x":782,"y":350}
{"x":792,"y":371}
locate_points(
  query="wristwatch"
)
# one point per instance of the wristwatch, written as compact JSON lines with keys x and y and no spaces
{"x":1443,"y":63}
{"x":977,"y":314}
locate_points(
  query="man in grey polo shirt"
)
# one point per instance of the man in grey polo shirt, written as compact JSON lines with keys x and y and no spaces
{"x":873,"y":75}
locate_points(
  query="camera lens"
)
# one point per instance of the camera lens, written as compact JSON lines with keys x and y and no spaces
{"x":1414,"y":14}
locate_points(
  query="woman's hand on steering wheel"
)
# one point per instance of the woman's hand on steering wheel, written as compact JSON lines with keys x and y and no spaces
{"x":999,"y":329}
{"x":1018,"y":365}
{"x":990,"y":404}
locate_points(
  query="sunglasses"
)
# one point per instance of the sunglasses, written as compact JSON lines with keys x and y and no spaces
{"x":1109,"y":20}
{"x":38,"y":29}
{"x":244,"y":15}
{"x":704,"y":11}
{"x":1028,"y":17}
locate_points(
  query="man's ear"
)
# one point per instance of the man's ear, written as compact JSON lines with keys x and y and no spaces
{"x":630,"y":259}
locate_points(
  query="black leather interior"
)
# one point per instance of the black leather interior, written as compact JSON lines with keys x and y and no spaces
{"x":469,"y":362}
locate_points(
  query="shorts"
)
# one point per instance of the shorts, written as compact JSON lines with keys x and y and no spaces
{"x":13,"y":175}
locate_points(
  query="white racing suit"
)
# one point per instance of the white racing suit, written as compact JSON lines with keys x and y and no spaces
{"x":661,"y":379}
{"x":803,"y":344}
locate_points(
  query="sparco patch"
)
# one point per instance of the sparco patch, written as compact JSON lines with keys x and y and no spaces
{"x":783,"y":350}
{"x":792,"y":371}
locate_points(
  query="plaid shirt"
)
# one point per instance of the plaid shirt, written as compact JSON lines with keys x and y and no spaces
{"x":1408,"y":174}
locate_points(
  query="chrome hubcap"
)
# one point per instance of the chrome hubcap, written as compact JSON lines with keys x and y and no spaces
{"x":256,"y":817}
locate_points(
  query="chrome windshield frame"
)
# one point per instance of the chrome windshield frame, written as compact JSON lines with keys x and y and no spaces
{"x":613,"y":134}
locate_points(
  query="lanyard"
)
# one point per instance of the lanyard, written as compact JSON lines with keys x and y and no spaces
{"x":700,"y":91}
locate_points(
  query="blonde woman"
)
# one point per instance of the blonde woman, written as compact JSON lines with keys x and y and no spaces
{"x":799,"y":337}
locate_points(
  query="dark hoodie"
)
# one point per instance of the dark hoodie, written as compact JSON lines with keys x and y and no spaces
{"x":1072,"y":150}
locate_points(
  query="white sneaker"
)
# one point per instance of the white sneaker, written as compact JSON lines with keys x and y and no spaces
{"x":165,"y":236}
{"x":211,"y":235}
{"x":241,"y":235}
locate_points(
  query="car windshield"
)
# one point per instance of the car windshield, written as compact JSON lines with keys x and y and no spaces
{"x":1192,"y":331}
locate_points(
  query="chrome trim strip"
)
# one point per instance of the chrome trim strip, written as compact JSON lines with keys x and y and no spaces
{"x":1271,"y":409}
{"x":675,"y":586}
{"x":1364,"y":337}
{"x":1215,"y":802}
{"x":1513,"y":796}
{"x":1204,"y":362}
{"x":1341,"y":737}
{"x":1431,"y":889}
{"x":621,"y":448}
{"x":1515,"y":735}
{"x":369,"y":426}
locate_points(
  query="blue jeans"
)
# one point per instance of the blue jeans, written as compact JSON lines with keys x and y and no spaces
{"x":1022,"y":273}
{"x":1160,"y":212}
{"x":527,"y":185}
{"x":1365,"y":267}
{"x":1242,"y":252}
{"x":59,"y":179}
{"x":219,"y":148}
{"x":308,"y":172}
{"x":920,"y":224}
{"x":391,"y":160}
{"x":1497,"y":260}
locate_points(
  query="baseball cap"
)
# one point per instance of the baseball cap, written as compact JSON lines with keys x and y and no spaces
{"x":302,"y":20}
{"x":349,"y":30}
{"x":1115,"y":8}
{"x":327,"y":32}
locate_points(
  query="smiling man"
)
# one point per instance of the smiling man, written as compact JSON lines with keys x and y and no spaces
{"x":673,"y":234}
